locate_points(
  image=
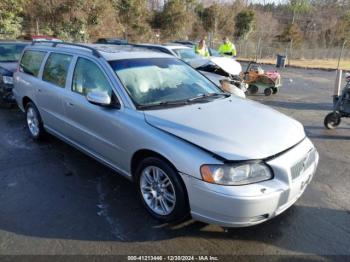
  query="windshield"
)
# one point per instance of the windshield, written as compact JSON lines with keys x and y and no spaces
{"x":214,"y":52}
{"x":186,"y":54}
{"x":10,"y":52}
{"x":154,"y":81}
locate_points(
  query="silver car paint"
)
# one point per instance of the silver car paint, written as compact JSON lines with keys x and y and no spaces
{"x":113,"y":136}
{"x":233,"y":128}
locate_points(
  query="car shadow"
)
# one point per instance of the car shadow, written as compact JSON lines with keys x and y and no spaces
{"x":320,"y":132}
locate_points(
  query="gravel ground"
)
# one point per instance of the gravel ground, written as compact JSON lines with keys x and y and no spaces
{"x":56,"y":200}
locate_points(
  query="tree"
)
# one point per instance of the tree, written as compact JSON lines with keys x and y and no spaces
{"x":176,"y":19}
{"x":10,"y":18}
{"x":135,"y":18}
{"x":244,"y":24}
{"x":298,"y":6}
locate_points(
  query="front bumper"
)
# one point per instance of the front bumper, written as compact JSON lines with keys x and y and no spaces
{"x":240,"y":206}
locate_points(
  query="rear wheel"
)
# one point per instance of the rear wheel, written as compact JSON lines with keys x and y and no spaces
{"x":253,"y":89}
{"x":268,"y":91}
{"x":34,"y":122}
{"x":332,"y":120}
{"x":161,"y":190}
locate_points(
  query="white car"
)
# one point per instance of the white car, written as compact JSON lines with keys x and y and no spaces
{"x":217,"y":69}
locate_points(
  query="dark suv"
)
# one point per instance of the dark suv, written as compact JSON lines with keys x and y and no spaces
{"x":9,"y":55}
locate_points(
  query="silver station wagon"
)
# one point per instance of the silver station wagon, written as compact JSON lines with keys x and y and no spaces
{"x":191,"y":148}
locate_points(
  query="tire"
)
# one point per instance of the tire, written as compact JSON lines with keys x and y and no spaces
{"x":253,"y":89}
{"x":157,"y":202}
{"x":332,"y":120}
{"x":274,"y":90}
{"x":34,"y":122}
{"x":268,"y":91}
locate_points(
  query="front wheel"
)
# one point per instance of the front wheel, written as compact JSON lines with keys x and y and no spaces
{"x":161,"y":190}
{"x":34,"y":122}
{"x":332,"y":120}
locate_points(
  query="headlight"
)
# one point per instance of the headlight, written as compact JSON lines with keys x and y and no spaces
{"x":7,"y":80}
{"x":234,"y":175}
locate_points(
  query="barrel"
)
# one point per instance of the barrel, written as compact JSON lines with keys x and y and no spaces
{"x":281,"y":61}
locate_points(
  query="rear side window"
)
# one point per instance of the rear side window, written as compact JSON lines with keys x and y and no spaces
{"x":31,"y":62}
{"x":88,"y":77}
{"x":56,"y":69}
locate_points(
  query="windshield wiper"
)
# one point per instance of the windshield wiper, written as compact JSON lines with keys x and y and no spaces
{"x":163,"y":104}
{"x":205,"y":96}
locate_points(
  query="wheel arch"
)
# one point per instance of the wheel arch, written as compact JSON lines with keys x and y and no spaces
{"x":25,"y":101}
{"x":141,"y":154}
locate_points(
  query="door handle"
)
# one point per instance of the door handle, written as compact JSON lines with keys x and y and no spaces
{"x":39,"y":90}
{"x":70,"y":104}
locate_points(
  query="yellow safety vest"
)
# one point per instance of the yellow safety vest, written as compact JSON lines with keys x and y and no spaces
{"x":202,"y":51}
{"x":228,"y":48}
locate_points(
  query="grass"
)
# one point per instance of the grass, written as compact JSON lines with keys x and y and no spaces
{"x":310,"y":63}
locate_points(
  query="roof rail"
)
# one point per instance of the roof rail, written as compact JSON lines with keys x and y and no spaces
{"x":56,"y":43}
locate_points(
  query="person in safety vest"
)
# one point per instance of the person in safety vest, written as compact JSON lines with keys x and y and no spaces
{"x":202,"y":48}
{"x":227,"y":48}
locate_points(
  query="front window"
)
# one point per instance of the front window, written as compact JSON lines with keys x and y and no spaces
{"x":160,"y":81}
{"x":88,"y":77}
{"x":10,"y":52}
{"x":186,"y":54}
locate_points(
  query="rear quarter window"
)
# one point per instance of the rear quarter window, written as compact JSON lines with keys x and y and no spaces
{"x":31,"y":62}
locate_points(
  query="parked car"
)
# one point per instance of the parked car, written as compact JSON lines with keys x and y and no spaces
{"x":42,"y":38}
{"x":217,"y":69}
{"x":112,"y":41}
{"x":189,"y":147}
{"x":9,"y":55}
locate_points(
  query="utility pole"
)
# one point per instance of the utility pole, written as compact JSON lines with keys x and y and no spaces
{"x":341,"y":54}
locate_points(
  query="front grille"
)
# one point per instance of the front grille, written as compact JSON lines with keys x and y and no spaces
{"x":303,"y":164}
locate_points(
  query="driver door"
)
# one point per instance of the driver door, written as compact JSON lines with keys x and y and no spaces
{"x":94,"y":128}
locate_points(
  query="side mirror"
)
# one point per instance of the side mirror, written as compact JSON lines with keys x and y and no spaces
{"x":99,"y":98}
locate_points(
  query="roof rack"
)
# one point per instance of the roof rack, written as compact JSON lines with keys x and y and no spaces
{"x":56,"y":43}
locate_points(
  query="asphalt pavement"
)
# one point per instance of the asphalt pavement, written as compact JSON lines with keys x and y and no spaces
{"x":56,"y":200}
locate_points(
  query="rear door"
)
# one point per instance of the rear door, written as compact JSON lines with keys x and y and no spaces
{"x":93,"y":127}
{"x":52,"y":89}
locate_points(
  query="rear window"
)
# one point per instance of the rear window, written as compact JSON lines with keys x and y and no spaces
{"x":56,"y":69}
{"x":31,"y":62}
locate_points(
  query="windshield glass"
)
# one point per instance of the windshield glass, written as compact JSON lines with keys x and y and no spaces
{"x":214,"y":52}
{"x":186,"y":54}
{"x":161,"y":80}
{"x":10,"y":52}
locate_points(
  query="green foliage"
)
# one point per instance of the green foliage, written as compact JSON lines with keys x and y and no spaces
{"x":176,"y":18}
{"x":10,"y":18}
{"x":134,"y":17}
{"x":298,"y":6}
{"x":244,"y":24}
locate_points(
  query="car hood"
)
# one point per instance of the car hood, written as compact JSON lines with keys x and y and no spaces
{"x":9,"y":66}
{"x":228,"y":64}
{"x":232,"y":128}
